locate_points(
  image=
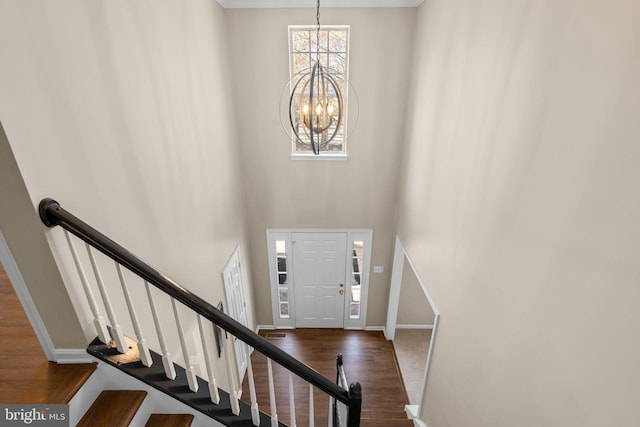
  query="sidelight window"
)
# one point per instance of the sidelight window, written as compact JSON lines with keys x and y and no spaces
{"x":357,"y":262}
{"x":283,"y":278}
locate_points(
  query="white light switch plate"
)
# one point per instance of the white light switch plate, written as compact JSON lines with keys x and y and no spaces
{"x":378,"y":269}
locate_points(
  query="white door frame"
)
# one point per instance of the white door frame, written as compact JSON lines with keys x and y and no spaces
{"x":233,"y":259}
{"x":273,"y":235}
{"x":399,"y":256}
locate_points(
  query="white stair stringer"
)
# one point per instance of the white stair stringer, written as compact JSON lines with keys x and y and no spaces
{"x":107,"y":377}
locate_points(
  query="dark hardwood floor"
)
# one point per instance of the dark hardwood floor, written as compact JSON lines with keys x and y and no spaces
{"x":26,"y":376}
{"x":368,"y":358}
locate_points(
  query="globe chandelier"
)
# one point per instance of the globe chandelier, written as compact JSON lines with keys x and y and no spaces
{"x":316,"y":103}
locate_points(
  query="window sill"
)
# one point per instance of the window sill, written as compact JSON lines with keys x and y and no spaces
{"x":322,"y":156}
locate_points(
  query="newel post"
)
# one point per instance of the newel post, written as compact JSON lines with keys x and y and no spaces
{"x":355,"y":404}
{"x":43,"y":209}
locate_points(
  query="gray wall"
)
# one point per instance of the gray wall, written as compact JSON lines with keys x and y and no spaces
{"x":122,"y":112}
{"x":521,"y":206}
{"x":414,"y":305}
{"x":358,"y":193}
{"x":24,"y":234}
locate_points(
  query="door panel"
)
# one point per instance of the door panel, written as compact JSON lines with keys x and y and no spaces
{"x":319,"y":269}
{"x":234,"y":292}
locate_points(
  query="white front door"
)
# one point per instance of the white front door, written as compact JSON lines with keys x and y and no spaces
{"x":319,"y":271}
{"x":236,"y":307}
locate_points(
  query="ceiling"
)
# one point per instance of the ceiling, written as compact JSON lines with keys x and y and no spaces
{"x":239,"y":4}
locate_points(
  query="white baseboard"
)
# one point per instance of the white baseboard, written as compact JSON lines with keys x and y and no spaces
{"x":272,"y":328}
{"x":414,"y":326}
{"x":412,"y":411}
{"x":69,"y":356}
{"x":367,"y":328}
{"x":412,"y":414}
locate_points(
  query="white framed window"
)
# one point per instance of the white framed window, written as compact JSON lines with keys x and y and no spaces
{"x":359,"y":245}
{"x":280,"y":271}
{"x":332,"y":49}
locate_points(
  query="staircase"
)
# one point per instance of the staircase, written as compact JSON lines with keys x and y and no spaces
{"x":28,"y":378}
{"x":117,"y":408}
{"x":197,"y":324}
{"x":154,"y":376}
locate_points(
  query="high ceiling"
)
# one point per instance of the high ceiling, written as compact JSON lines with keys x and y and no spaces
{"x":312,"y":3}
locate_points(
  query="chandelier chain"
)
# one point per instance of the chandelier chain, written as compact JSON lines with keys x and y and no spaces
{"x":318,"y":32}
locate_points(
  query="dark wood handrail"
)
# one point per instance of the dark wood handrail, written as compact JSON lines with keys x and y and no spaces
{"x":52,"y":214}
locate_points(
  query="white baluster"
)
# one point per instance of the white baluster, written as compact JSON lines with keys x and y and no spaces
{"x":255,"y":412}
{"x":191,"y":375}
{"x":211,"y":373}
{"x":231,"y":374}
{"x":292,"y":401}
{"x":98,"y":321}
{"x":116,"y":329}
{"x":272,"y":395}
{"x":169,"y":369}
{"x":143,"y":348}
{"x":331,"y":403}
{"x":311,"y":409}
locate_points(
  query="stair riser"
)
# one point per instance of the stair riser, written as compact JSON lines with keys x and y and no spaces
{"x":155,"y":377}
{"x":108,"y":377}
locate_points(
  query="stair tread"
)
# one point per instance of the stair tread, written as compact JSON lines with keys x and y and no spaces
{"x":46,"y":382}
{"x":72,"y":379}
{"x":169,"y":420}
{"x":113,"y":408}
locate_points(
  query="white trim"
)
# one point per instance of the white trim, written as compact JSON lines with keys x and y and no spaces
{"x":404,"y":326}
{"x":235,"y":258}
{"x":399,"y":256}
{"x":367,"y":238}
{"x":70,"y":356}
{"x":263,"y":4}
{"x":394,"y":291}
{"x":318,"y":230}
{"x":411,"y":411}
{"x":375,"y":329}
{"x":272,"y":236}
{"x":322,"y":156}
{"x":412,"y":414}
{"x":429,"y":358}
{"x":20,"y":288}
{"x":285,"y":234}
{"x":264,"y":328}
